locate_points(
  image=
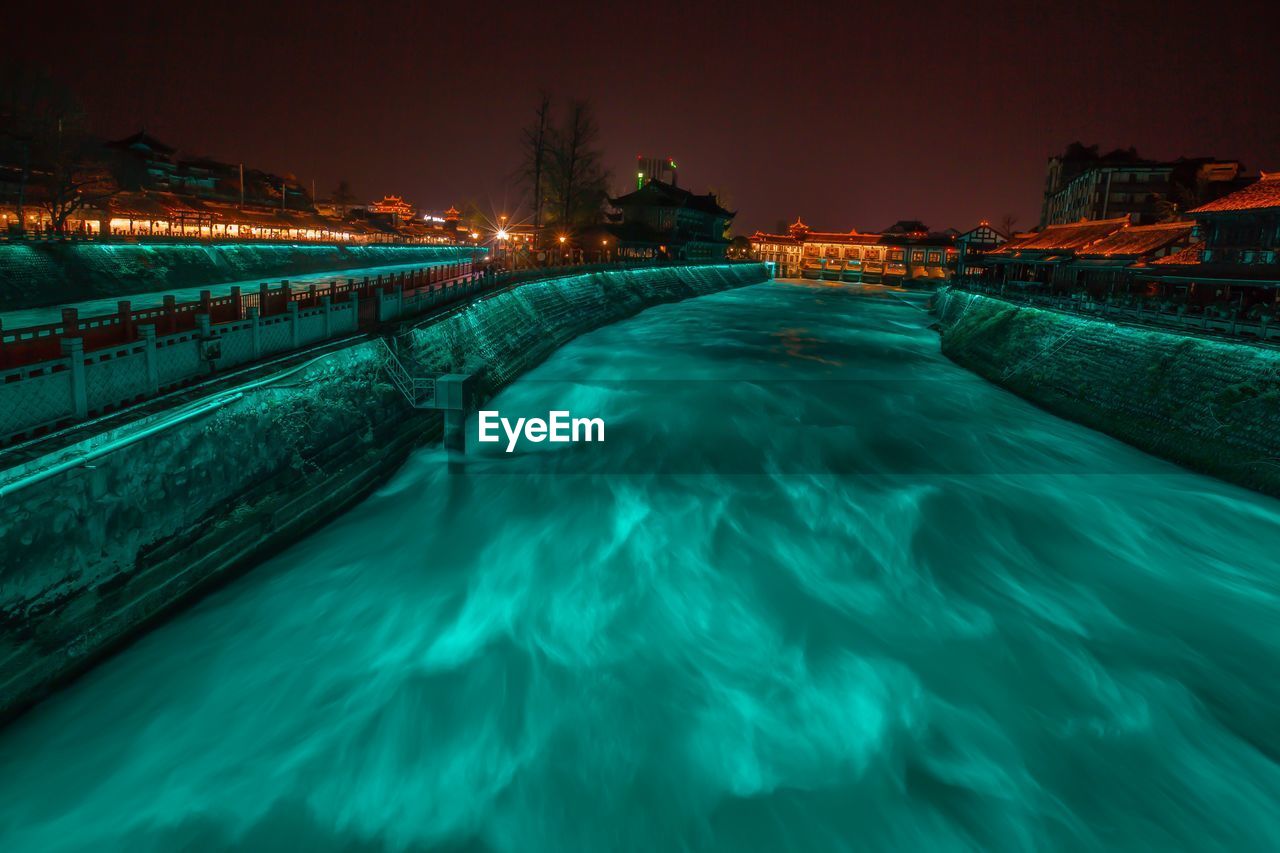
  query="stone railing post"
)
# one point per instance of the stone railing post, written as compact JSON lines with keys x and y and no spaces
{"x":147,"y":332}
{"x":125,"y":312}
{"x":73,"y":349}
{"x":70,"y":323}
{"x":255,"y":328}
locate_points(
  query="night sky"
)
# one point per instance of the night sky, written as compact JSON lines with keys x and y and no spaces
{"x":850,"y":115}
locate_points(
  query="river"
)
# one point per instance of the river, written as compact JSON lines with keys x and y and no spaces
{"x":819,"y":589}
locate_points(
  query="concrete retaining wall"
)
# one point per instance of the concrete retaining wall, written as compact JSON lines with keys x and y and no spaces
{"x":79,"y":385}
{"x":1211,"y":406}
{"x":501,"y":336}
{"x":33,"y":275}
{"x":99,"y":539}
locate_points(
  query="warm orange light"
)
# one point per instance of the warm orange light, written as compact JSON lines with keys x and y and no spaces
{"x":563,"y":238}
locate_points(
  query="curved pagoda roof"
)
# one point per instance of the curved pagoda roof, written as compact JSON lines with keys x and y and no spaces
{"x":661,"y":194}
{"x":1263,"y":194}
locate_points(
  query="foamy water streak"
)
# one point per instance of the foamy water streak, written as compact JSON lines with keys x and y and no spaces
{"x":993,"y":630}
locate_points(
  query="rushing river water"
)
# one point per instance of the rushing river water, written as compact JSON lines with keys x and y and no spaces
{"x":819,"y":589}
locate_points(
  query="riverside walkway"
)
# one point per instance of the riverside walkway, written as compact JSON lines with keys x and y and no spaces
{"x":1200,"y":321}
{"x":64,"y":373}
{"x":91,"y":308}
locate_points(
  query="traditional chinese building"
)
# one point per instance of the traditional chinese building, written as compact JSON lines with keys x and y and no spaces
{"x":1236,"y":253}
{"x":663,"y":220}
{"x":973,"y":245}
{"x":1094,"y":256}
{"x":393,"y":206}
{"x":907,"y":256}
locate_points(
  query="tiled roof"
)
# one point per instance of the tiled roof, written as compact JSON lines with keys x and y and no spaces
{"x":1260,"y":195}
{"x":1138,"y":240}
{"x":661,"y":194}
{"x":1183,"y":257}
{"x":1056,"y":238}
{"x":851,"y":237}
{"x":761,"y":237}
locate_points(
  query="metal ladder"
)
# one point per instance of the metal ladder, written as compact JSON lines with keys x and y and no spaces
{"x":420,"y":391}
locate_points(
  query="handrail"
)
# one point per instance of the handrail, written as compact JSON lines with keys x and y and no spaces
{"x":1255,"y":332}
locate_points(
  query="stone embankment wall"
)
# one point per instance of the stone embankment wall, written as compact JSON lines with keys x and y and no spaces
{"x":501,"y":336}
{"x":34,"y":275}
{"x":1208,"y":405}
{"x":100,"y":539}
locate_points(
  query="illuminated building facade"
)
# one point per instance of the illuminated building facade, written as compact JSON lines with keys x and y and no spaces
{"x":395,"y":207}
{"x":155,"y":194}
{"x":974,"y":244}
{"x":1096,"y":256}
{"x":901,"y":257}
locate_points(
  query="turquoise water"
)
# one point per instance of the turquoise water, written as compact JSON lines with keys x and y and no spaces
{"x":819,"y":589}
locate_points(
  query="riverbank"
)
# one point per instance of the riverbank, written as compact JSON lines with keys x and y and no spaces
{"x":36,"y":275}
{"x":821,"y":589}
{"x":1211,"y":406}
{"x":119,"y":529}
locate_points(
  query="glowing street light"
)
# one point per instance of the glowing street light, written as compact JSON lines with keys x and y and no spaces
{"x":502,"y":234}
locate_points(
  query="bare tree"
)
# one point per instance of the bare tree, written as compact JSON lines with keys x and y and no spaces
{"x":77,"y":177}
{"x":1007,"y":224}
{"x":535,"y":142}
{"x":579,"y":180}
{"x":38,"y":118}
{"x":344,"y":198}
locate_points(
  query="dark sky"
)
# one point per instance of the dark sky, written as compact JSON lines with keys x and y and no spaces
{"x":850,"y":115}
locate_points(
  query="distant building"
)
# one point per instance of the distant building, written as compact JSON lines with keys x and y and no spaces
{"x":1081,"y":184}
{"x":784,"y":251}
{"x":662,"y":220}
{"x":395,"y":207}
{"x":908,"y":255}
{"x":142,"y":163}
{"x":655,"y":169}
{"x":973,"y":245}
{"x":1236,"y":253}
{"x":1096,"y":256}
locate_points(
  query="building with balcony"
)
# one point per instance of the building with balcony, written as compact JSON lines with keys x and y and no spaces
{"x":1235,"y":258}
{"x":1081,"y":184}
{"x":905,"y":255}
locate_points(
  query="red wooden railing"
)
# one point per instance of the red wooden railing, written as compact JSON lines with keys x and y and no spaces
{"x":33,"y":344}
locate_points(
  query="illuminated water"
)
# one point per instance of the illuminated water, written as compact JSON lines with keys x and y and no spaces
{"x":991,"y":630}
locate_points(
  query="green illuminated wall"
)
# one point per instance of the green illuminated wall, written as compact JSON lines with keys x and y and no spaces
{"x":1209,"y":405}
